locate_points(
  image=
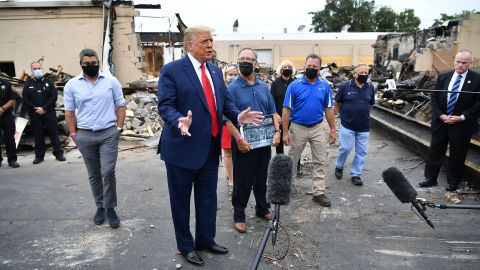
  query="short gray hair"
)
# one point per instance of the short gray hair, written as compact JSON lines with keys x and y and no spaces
{"x":360,"y":65}
{"x":250,"y":49}
{"x":87,"y":52}
{"x":192,"y":31}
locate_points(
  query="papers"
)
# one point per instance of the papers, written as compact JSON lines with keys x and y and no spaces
{"x":261,"y":135}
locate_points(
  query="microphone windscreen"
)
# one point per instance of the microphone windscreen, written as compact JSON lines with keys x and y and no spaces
{"x":398,"y":183}
{"x":279,"y":184}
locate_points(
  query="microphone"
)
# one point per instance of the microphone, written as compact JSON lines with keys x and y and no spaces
{"x":279,"y":180}
{"x":278,"y":192}
{"x":399,"y":185}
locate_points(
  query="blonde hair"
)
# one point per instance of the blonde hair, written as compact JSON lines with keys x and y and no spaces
{"x":227,"y":69}
{"x":192,"y":31}
{"x":283,"y":64}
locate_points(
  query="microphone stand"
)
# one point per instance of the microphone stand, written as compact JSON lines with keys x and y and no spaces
{"x":420,"y":204}
{"x":272,"y":227}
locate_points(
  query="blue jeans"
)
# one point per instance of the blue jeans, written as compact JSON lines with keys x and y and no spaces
{"x":348,"y":139}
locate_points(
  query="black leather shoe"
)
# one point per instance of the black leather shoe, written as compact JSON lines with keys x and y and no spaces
{"x":113,"y":220}
{"x":427,"y":183}
{"x":193,"y":258}
{"x":14,"y":164}
{"x":60,"y":158}
{"x":216,"y":248}
{"x":451,"y":187}
{"x":357,"y":181}
{"x":37,"y":160}
{"x":338,"y":173}
{"x":99,"y":217}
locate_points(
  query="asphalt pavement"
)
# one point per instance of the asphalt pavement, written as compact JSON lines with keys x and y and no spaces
{"x":46,"y":215}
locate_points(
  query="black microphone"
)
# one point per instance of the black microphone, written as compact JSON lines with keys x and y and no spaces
{"x":399,"y":185}
{"x":279,"y":180}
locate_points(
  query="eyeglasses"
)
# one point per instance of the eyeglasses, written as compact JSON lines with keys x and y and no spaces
{"x":94,"y":63}
{"x":247,"y":59}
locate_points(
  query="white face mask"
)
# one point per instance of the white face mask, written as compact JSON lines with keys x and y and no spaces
{"x":37,"y":73}
{"x":231,"y":78}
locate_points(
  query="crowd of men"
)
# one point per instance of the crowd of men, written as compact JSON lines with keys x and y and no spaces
{"x":194,"y":103}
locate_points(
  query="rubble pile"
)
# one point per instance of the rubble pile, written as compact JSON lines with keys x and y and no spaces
{"x":142,"y":115}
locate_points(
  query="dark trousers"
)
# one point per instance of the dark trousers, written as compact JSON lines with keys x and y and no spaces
{"x":39,"y":123}
{"x":204,"y":183}
{"x":459,"y":141}
{"x":250,"y":171}
{"x":7,"y":126}
{"x":99,"y":150}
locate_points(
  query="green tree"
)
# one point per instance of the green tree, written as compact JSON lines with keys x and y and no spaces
{"x":407,"y":21}
{"x":445,"y":17}
{"x":337,"y":13}
{"x":385,"y":20}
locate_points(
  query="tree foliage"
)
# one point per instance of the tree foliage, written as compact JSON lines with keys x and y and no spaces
{"x":445,"y":17}
{"x":362,"y":16}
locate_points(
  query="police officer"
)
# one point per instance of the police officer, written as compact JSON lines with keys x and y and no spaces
{"x":8,"y":98}
{"x":39,"y":97}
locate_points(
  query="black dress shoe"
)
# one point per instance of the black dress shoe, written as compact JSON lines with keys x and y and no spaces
{"x":338,"y":173}
{"x":37,"y":160}
{"x":451,"y":187}
{"x":13,"y":164}
{"x":216,"y":248}
{"x":99,"y":217}
{"x":60,"y":158}
{"x":193,"y":258}
{"x":357,"y":181}
{"x":427,"y":183}
{"x":113,"y":219}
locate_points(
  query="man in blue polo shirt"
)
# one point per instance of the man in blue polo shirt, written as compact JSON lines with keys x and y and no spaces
{"x":305,"y":101}
{"x":250,"y":165}
{"x":353,"y":100}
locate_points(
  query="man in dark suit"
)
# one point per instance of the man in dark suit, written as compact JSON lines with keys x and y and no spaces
{"x":454,"y":120}
{"x":191,"y":102}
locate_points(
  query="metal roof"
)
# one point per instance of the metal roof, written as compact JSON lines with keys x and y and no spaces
{"x":300,"y":36}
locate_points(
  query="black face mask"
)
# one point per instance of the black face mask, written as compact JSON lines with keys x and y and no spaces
{"x":311,"y":73}
{"x":287,"y":72}
{"x":245,"y":68}
{"x":362,"y":78}
{"x":91,"y":70}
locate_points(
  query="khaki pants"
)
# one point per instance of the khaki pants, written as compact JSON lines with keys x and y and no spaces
{"x":317,"y":138}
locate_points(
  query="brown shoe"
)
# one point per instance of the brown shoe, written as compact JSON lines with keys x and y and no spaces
{"x":322,"y":200}
{"x":241,"y":227}
{"x":267,"y":216}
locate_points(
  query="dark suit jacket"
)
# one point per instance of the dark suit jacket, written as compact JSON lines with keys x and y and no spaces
{"x":180,"y":90}
{"x":467,"y":104}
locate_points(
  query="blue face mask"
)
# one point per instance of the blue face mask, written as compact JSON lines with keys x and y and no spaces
{"x":38,"y":73}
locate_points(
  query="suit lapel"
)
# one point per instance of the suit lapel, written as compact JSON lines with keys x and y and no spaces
{"x":193,"y":78}
{"x":465,"y":86}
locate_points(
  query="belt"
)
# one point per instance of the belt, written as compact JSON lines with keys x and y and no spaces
{"x":91,"y":130}
{"x":311,"y":125}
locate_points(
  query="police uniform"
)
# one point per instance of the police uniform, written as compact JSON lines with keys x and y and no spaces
{"x":7,"y":122}
{"x":42,"y":93}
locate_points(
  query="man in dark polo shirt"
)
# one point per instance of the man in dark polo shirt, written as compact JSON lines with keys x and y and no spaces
{"x":353,"y":101}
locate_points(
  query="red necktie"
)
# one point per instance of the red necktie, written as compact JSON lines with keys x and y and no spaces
{"x":207,"y":89}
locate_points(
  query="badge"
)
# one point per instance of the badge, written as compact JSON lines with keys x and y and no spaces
{"x":46,"y":84}
{"x":3,"y":87}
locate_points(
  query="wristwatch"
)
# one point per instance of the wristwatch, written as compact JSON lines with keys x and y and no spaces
{"x":119,"y":129}
{"x":277,"y":130}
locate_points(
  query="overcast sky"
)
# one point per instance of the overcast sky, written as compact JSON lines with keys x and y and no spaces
{"x":272,"y":16}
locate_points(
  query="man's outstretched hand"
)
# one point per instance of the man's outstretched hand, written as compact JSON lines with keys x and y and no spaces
{"x":184,"y":123}
{"x":250,"y":117}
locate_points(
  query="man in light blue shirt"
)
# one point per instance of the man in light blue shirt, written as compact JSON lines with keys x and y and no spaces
{"x":95,"y":114}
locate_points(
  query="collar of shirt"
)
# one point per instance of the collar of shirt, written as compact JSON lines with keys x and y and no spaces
{"x":197,"y":67}
{"x":100,"y":75}
{"x":305,"y":81}
{"x":244,"y":83}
